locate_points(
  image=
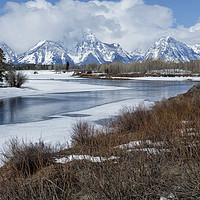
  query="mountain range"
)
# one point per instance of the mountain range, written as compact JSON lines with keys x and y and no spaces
{"x":92,"y":50}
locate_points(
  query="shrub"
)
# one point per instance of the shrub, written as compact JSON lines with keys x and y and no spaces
{"x":30,"y":172}
{"x":53,"y":182}
{"x":27,"y":158}
{"x":15,"y":79}
{"x":131,"y":119}
{"x":82,"y":133}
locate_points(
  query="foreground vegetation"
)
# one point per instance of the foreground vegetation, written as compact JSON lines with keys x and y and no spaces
{"x":144,"y":153}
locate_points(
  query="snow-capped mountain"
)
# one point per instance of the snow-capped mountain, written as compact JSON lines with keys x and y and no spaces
{"x":92,"y":50}
{"x":9,"y":53}
{"x":138,"y":55}
{"x":169,"y":49}
{"x":196,"y":48}
{"x":46,"y":53}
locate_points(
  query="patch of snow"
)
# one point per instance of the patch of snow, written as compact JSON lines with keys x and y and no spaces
{"x":139,"y":143}
{"x":196,"y":48}
{"x":84,"y":157}
{"x":150,"y":150}
{"x":176,"y":78}
{"x":133,"y":144}
{"x":163,"y":198}
{"x":9,"y":53}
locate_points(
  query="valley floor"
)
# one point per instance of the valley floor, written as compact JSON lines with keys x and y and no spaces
{"x":58,"y":128}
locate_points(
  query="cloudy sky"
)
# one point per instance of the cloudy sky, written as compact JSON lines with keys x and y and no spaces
{"x":131,"y":23}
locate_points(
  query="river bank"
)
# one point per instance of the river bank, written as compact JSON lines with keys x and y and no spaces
{"x":139,"y":76}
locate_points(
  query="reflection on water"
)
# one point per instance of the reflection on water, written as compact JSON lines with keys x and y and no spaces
{"x":9,"y":109}
{"x":36,"y":108}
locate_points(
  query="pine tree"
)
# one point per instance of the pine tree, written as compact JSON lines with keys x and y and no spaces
{"x":2,"y":64}
{"x":67,"y":66}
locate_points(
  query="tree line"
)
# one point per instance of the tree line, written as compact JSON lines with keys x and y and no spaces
{"x":150,"y":66}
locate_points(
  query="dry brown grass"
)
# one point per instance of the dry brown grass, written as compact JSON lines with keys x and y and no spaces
{"x":165,"y":160}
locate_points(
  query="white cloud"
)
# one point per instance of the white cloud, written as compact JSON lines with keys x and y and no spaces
{"x":131,"y":23}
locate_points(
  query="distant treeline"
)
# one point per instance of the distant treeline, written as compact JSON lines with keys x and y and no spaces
{"x":56,"y":67}
{"x":147,"y":66}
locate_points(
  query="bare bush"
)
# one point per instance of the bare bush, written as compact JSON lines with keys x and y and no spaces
{"x":53,"y":182}
{"x":82,"y":133}
{"x":30,"y":172}
{"x":131,"y":119}
{"x":15,"y":79}
{"x":27,"y":157}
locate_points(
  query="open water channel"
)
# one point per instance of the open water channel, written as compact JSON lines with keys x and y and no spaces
{"x":41,"y":107}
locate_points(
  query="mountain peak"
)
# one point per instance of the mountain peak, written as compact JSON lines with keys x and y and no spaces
{"x":166,"y":41}
{"x":90,"y":49}
{"x":46,"y":52}
{"x":40,"y":43}
{"x":171,"y":50}
{"x":89,"y":36}
{"x":9,"y":53}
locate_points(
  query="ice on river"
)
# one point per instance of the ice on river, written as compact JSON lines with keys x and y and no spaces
{"x":57,"y":129}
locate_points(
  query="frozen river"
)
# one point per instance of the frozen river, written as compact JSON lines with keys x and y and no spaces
{"x":49,"y":104}
{"x":41,"y":107}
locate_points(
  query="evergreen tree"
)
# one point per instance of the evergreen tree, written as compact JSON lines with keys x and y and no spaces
{"x":67,"y":66}
{"x":2,"y":64}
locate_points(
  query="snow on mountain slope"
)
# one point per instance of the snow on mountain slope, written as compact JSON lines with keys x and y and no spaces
{"x":46,"y":53}
{"x":169,"y":49}
{"x":138,"y":55}
{"x":93,"y":50}
{"x":9,"y":53}
{"x":196,"y":48}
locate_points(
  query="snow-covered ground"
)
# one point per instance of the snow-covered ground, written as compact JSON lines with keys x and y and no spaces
{"x":176,"y":78}
{"x":48,"y":82}
{"x":58,"y":128}
{"x":161,"y":78}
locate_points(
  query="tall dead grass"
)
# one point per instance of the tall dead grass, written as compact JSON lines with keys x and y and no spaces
{"x":156,"y":154}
